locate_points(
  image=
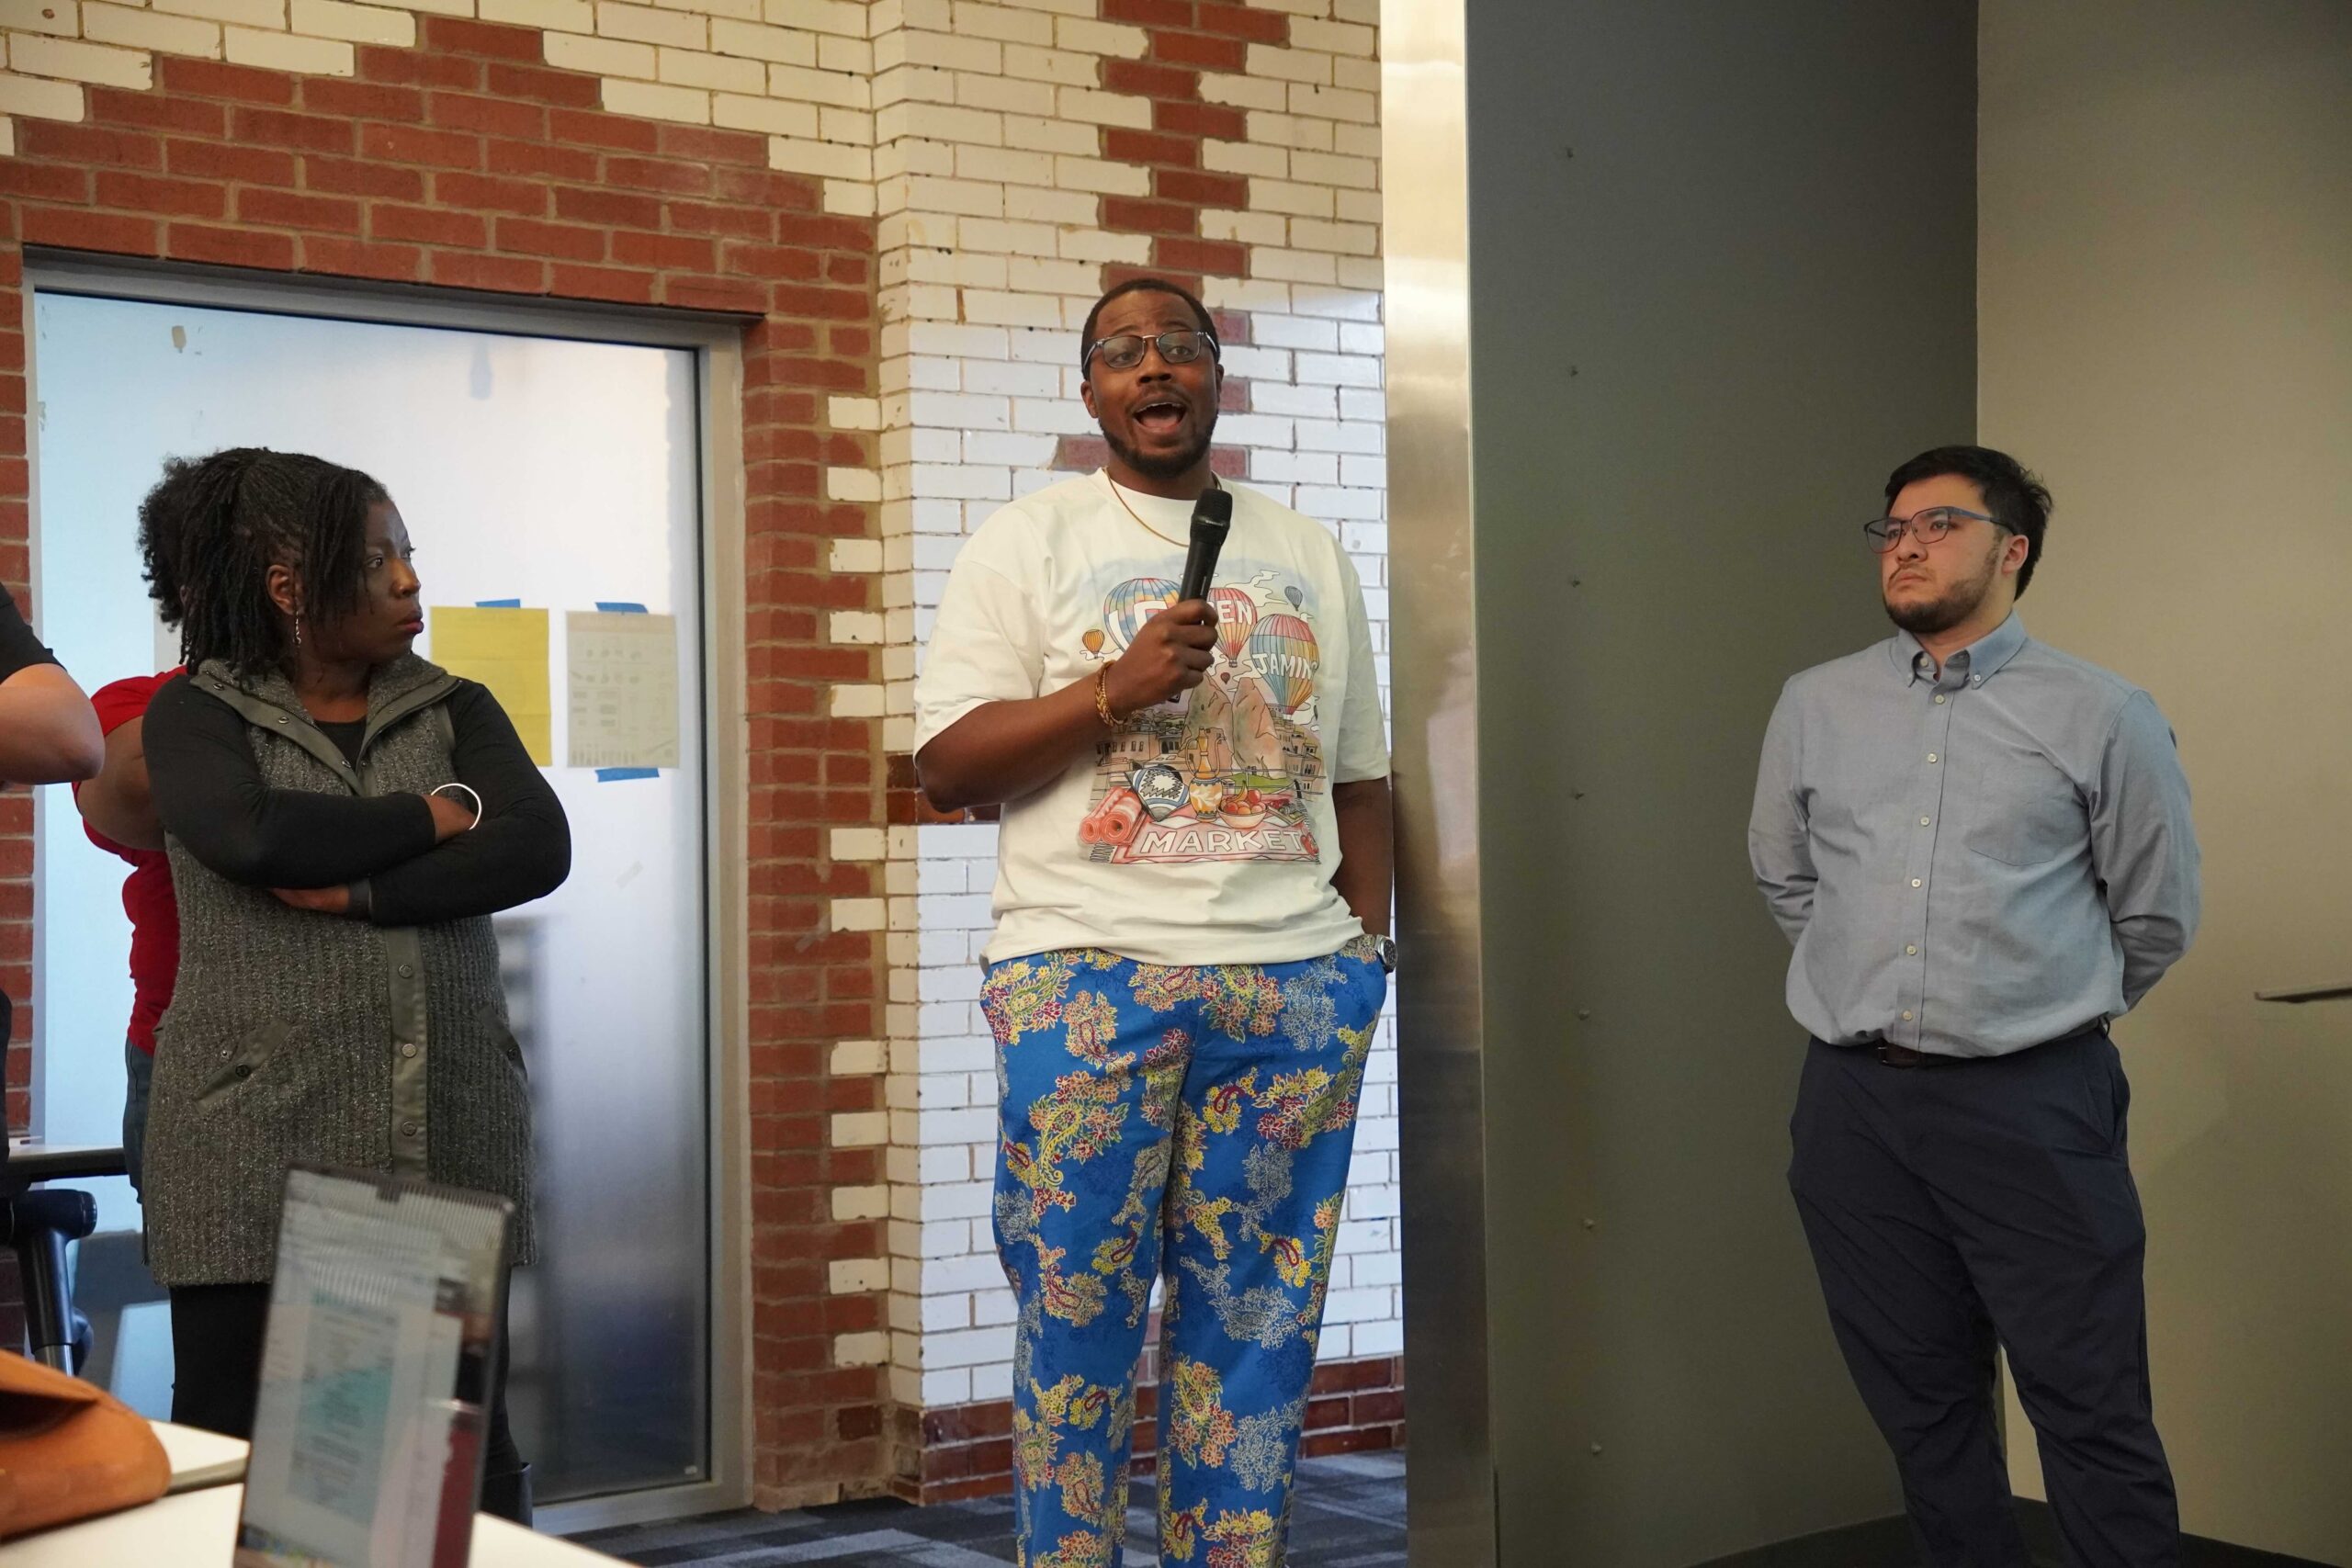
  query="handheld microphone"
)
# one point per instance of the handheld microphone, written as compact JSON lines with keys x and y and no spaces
{"x":1212,"y":521}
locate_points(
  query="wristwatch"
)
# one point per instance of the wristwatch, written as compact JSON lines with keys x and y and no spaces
{"x":1386,"y":950}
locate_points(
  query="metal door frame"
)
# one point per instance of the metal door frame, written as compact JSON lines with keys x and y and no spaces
{"x":716,"y":342}
{"x":1434,"y":674}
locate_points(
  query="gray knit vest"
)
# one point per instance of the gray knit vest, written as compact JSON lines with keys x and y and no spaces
{"x":297,"y":1036}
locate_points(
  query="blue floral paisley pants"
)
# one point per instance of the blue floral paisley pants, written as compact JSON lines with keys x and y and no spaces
{"x":1195,"y":1122}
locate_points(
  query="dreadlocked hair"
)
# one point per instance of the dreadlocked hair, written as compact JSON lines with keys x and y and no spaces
{"x":212,"y":527}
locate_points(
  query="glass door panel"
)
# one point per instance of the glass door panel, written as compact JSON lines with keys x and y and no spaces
{"x":560,"y":474}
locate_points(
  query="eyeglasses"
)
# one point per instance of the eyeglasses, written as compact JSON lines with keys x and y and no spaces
{"x":1127,"y":351}
{"x":1927,"y":526}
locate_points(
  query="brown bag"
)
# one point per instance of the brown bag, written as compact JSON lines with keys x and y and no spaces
{"x":69,"y":1449}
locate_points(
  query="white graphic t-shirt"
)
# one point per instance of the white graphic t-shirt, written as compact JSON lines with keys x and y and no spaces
{"x":1202,"y":832}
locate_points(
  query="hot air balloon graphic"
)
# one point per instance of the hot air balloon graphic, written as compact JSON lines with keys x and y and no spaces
{"x":1296,"y":598}
{"x":1237,"y":614}
{"x":1094,"y":641}
{"x":1134,"y":602}
{"x":1287,"y":656}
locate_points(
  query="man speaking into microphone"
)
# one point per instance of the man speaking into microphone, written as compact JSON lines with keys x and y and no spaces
{"x":1190,"y":952}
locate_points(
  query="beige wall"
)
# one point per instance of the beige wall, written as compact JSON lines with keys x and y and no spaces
{"x":2166,"y":292}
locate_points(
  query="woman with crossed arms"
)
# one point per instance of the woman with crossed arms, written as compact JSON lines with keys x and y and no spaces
{"x":342,"y":819}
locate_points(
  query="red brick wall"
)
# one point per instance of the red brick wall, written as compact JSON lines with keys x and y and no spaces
{"x":466,"y":163}
{"x":1188,"y":37}
{"x":16,"y":844}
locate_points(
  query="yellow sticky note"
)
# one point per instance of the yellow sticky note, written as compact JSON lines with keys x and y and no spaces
{"x":507,"y":651}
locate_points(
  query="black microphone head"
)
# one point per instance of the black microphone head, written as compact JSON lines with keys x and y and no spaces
{"x":1212,"y":521}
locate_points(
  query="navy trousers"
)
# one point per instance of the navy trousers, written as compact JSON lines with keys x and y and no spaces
{"x":1951,"y":1208}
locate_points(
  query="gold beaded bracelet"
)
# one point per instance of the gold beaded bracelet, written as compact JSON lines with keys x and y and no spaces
{"x":1103,"y":699}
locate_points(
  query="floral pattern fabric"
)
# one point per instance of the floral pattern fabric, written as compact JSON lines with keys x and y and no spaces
{"x":1191,"y":1122}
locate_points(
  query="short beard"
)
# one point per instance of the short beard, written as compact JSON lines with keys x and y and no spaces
{"x":1942,"y":614}
{"x":1176,"y":465}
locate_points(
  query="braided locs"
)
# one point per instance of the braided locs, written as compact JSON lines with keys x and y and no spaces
{"x":212,"y":528}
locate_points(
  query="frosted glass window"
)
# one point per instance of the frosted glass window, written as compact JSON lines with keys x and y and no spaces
{"x":563,"y":474}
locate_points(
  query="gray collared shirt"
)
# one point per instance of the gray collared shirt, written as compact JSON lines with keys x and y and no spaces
{"x":1974,"y":861}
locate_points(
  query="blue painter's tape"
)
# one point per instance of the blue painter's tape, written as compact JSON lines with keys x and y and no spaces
{"x":498,"y":603}
{"x":614,"y":775}
{"x":619,"y":607}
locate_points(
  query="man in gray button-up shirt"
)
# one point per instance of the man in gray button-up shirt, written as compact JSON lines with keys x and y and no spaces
{"x":1982,"y":849}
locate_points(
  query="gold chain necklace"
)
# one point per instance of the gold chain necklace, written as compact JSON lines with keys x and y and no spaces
{"x":1122,"y":498}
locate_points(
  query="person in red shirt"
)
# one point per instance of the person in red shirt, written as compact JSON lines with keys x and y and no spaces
{"x":119,"y":817}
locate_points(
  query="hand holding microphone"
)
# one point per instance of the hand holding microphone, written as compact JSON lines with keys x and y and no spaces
{"x":1170,"y":655}
{"x":1172,"y":652}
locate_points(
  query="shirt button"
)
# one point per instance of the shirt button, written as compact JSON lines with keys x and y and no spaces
{"x":1939,"y":696}
{"x":408,"y":1048}
{"x":1923,"y":821}
{"x":1931,"y":756}
{"x":1906,"y":1015}
{"x":1915,"y":881}
{"x":409,"y":970}
{"x":1911,"y":948}
{"x":410,"y":1129}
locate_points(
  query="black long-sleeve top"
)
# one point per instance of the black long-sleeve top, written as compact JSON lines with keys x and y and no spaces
{"x":209,"y":794}
{"x":20,"y":648}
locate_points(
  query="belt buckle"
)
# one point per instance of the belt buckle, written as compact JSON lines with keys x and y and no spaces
{"x":1900,"y":1057}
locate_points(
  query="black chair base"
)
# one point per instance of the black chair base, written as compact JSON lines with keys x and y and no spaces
{"x":36,"y":1225}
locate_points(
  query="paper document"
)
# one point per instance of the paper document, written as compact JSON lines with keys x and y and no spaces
{"x":624,"y":678}
{"x":507,"y":651}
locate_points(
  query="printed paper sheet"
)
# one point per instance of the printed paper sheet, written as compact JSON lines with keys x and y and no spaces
{"x":624,"y":689}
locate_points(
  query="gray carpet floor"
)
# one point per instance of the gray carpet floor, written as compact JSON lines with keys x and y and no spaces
{"x":1350,"y":1514}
